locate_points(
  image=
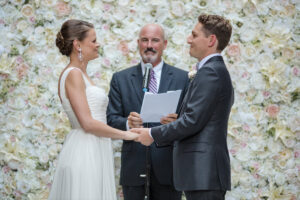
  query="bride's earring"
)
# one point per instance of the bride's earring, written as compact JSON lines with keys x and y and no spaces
{"x":80,"y":55}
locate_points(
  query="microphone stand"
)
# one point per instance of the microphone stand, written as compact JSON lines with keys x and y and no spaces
{"x":148,"y":164}
{"x":148,"y":168}
{"x":148,"y":171}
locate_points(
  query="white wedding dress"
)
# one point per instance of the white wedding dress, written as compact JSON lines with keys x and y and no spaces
{"x":85,"y":169}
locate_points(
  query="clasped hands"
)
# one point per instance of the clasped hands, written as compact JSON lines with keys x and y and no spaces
{"x":135,"y":124}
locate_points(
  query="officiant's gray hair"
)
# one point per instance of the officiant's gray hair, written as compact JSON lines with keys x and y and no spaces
{"x":159,"y":26}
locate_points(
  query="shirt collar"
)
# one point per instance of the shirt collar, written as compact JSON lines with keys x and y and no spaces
{"x":156,"y":69}
{"x":204,"y":60}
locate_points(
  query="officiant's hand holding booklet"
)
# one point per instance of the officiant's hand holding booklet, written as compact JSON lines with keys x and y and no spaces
{"x":165,"y":106}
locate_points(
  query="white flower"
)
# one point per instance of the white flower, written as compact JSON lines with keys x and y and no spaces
{"x":120,"y":14}
{"x":2,"y":50}
{"x":177,"y":8}
{"x":257,"y":81}
{"x":192,"y":73}
{"x":123,"y":2}
{"x":23,"y":187}
{"x":243,"y":85}
{"x":243,"y":154}
{"x":259,"y":98}
{"x":27,"y":10}
{"x":13,"y":162}
{"x":44,"y":158}
{"x":3,"y":2}
{"x":18,"y":103}
{"x":18,"y":2}
{"x":179,"y":37}
{"x":249,"y":52}
{"x":247,"y":34}
{"x":48,"y":3}
{"x":22,"y":25}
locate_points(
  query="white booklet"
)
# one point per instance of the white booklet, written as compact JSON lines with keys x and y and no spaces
{"x":156,"y":106}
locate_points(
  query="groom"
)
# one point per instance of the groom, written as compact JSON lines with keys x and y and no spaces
{"x":200,"y":155}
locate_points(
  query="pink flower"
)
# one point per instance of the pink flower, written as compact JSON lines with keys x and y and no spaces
{"x":106,"y":7}
{"x":246,"y":127}
{"x":105,"y":27}
{"x":97,"y":75}
{"x":32,"y":19}
{"x":19,"y":60}
{"x":295,"y":71}
{"x":243,"y":144}
{"x":266,"y":94}
{"x":134,"y":61}
{"x":123,"y":46}
{"x":22,"y":70}
{"x":233,"y":50}
{"x":106,"y":61}
{"x":256,"y":166}
{"x":17,"y":193}
{"x":245,"y":75}
{"x":62,"y":9}
{"x":45,"y":107}
{"x":6,"y":169}
{"x":233,"y":152}
{"x":297,"y":154}
{"x":11,"y":89}
{"x":256,"y":176}
{"x":49,"y":185}
{"x":12,"y":138}
{"x":272,"y":110}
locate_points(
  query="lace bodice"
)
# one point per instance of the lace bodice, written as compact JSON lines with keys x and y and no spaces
{"x":96,"y":97}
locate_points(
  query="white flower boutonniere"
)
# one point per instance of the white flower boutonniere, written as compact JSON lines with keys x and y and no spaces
{"x":192,"y":74}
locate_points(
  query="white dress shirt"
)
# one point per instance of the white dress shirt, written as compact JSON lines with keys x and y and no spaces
{"x":157,"y":73}
{"x":204,"y":60}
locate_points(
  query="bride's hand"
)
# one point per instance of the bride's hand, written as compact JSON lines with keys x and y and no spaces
{"x":130,"y":135}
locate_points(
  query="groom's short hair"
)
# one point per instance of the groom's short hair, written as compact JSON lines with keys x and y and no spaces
{"x":218,"y":26}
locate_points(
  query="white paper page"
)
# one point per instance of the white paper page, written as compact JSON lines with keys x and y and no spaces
{"x":156,"y":106}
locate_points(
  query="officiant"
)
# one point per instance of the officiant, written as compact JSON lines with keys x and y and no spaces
{"x":125,"y":100}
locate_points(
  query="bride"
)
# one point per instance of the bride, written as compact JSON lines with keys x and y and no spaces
{"x":85,"y":167}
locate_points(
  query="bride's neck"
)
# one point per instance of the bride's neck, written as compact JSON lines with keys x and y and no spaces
{"x":75,"y":62}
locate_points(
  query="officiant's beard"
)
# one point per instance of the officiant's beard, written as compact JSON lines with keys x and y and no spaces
{"x":149,"y":58}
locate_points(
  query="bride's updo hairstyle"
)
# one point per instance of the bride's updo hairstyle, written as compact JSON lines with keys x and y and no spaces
{"x":71,"y":30}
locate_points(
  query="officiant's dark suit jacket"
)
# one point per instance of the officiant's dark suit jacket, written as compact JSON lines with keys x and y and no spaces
{"x":200,"y":155}
{"x":126,"y":96}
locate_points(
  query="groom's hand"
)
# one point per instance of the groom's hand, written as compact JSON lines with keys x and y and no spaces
{"x":134,"y":120}
{"x":144,"y":137}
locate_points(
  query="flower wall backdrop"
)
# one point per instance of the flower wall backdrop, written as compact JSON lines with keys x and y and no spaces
{"x":263,"y":60}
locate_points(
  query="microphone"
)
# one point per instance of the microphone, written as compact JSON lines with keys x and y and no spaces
{"x":148,"y":67}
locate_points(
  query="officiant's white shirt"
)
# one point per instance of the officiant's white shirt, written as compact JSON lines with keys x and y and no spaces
{"x":157,"y":73}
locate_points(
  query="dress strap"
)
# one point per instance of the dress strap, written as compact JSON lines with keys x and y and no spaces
{"x":62,"y":91}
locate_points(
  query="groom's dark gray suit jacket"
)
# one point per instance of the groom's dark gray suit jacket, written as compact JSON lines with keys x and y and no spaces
{"x":200,"y":155}
{"x":126,"y":96}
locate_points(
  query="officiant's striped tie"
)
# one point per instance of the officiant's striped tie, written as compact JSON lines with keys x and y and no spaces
{"x":152,"y":83}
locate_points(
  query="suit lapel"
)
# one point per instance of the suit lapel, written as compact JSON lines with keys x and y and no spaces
{"x":137,"y":82}
{"x":185,"y":99}
{"x":165,"y":78}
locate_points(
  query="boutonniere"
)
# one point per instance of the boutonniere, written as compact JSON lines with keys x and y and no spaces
{"x":192,"y":73}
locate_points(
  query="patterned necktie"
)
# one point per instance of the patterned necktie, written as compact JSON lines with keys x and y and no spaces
{"x":152,"y":83}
